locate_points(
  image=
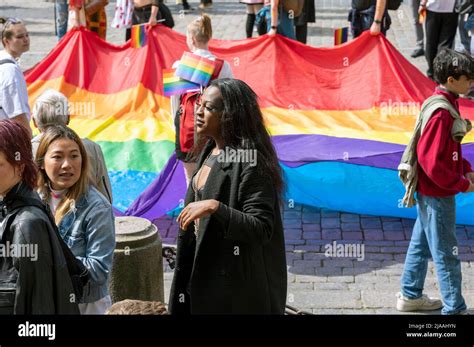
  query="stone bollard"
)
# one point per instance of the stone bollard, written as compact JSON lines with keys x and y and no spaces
{"x":137,"y":271}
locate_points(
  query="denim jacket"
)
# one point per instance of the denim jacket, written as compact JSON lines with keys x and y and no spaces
{"x":89,"y":231}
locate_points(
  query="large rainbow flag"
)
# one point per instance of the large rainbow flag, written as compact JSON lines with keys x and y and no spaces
{"x":340,"y":117}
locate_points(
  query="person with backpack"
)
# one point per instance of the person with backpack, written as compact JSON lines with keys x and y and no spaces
{"x":34,"y":277}
{"x":433,"y":167}
{"x":371,"y":15}
{"x":84,"y":216}
{"x":13,"y":93}
{"x":198,"y":35}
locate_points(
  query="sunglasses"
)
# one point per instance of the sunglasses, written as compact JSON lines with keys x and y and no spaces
{"x":10,"y":21}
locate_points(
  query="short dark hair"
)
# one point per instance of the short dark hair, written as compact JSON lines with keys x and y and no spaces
{"x":15,"y":144}
{"x":448,"y":62}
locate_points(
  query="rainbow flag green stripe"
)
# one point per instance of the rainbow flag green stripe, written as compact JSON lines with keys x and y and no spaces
{"x":135,"y":155}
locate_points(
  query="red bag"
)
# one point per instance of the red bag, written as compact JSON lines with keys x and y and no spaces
{"x":185,"y":140}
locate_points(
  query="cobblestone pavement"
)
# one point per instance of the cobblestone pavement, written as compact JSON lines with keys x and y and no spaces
{"x":317,"y":283}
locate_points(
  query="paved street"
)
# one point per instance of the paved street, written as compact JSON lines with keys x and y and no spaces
{"x":365,"y":282}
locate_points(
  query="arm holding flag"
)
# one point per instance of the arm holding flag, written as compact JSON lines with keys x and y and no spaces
{"x":274,"y":11}
{"x":154,"y":12}
{"x":379,"y":12}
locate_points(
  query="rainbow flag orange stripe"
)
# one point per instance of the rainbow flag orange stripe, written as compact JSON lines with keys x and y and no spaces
{"x":138,"y":36}
{"x":195,"y":68}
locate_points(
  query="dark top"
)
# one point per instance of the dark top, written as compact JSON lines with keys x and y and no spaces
{"x":29,"y":285}
{"x":237,"y":263}
{"x":210,"y":161}
{"x":363,"y":4}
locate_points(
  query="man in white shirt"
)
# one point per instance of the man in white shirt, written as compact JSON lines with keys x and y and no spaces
{"x":13,"y":92}
{"x":440,"y":26}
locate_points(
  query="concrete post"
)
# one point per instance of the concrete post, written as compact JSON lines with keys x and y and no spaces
{"x":137,"y":271}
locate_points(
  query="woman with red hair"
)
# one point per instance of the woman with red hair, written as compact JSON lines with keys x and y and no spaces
{"x":34,"y":278}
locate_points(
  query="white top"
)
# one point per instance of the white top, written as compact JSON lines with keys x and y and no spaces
{"x":226,"y":72}
{"x":441,"y":6}
{"x":13,"y":93}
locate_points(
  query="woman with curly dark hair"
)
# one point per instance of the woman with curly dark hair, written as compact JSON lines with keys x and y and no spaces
{"x":34,"y":277}
{"x":231,"y":249}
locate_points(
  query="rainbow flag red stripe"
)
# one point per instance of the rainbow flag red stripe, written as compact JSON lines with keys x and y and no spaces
{"x":195,"y":68}
{"x":173,"y":85}
{"x":340,"y":36}
{"x":138,"y":36}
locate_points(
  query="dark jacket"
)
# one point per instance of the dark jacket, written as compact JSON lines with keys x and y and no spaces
{"x":237,"y":264}
{"x":308,"y":15}
{"x":28,"y":285}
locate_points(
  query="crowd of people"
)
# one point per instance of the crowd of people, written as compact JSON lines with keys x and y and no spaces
{"x":55,"y":189}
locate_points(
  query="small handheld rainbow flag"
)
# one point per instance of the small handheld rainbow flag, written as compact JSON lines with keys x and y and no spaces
{"x":173,"y":85}
{"x":195,"y":68}
{"x":139,"y":36}
{"x":340,"y":36}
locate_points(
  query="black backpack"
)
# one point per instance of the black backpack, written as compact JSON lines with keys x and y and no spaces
{"x":80,"y":276}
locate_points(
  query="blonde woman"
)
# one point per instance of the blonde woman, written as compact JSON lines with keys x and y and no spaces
{"x":83,"y":215}
{"x":198,"y":35}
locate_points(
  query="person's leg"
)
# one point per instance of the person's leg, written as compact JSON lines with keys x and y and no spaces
{"x":416,"y":261}
{"x":250,"y":21}
{"x":186,"y":5}
{"x":136,"y":19}
{"x":441,"y":235}
{"x":463,"y":34}
{"x":301,"y":32}
{"x":433,"y":30}
{"x":419,"y":48}
{"x":448,"y":30}
{"x":260,"y":20}
{"x":61,"y":9}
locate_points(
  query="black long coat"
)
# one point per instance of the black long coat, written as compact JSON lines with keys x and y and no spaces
{"x":237,"y":263}
{"x":32,"y":286}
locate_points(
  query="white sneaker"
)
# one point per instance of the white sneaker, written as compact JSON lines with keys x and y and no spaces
{"x":424,"y":303}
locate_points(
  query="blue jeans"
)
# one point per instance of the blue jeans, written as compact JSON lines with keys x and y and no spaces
{"x":62,"y":14}
{"x":434,"y":236}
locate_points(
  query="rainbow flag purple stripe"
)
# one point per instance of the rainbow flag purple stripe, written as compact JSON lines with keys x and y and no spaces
{"x":173,"y":85}
{"x":340,"y":36}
